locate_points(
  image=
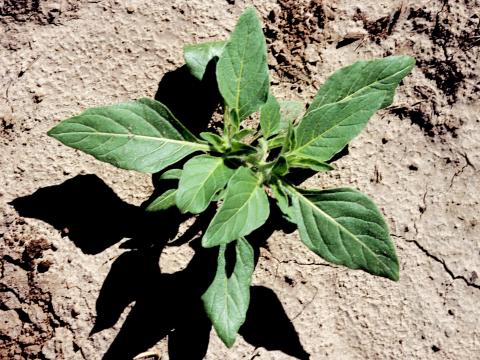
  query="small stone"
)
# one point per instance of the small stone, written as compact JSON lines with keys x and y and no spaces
{"x":10,"y":324}
{"x":10,"y":301}
{"x":75,"y":311}
{"x":131,"y":8}
{"x":311,"y":54}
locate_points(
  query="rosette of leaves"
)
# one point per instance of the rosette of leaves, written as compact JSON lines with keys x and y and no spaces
{"x":236,"y":167}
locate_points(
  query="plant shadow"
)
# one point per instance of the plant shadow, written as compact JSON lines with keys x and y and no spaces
{"x":94,"y":218}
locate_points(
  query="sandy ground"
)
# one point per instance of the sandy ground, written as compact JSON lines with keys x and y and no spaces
{"x":74,"y":287}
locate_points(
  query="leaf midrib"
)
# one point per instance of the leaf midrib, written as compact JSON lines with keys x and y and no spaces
{"x":240,"y":75}
{"x":246,"y":203}
{"x":130,"y":135}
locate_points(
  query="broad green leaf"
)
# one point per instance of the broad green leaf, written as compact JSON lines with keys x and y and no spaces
{"x":298,"y":161}
{"x":165,"y":113}
{"x":242,"y":72}
{"x":198,"y":56}
{"x":361,"y":78}
{"x":163,"y":202}
{"x":172,"y":174}
{"x":227,"y":298}
{"x":346,"y":101}
{"x":244,"y":209}
{"x":283,"y":201}
{"x":132,"y":136}
{"x":219,"y":195}
{"x":322,"y":135}
{"x":345,"y":227}
{"x":270,"y":117}
{"x":202,"y":177}
{"x":290,"y":111}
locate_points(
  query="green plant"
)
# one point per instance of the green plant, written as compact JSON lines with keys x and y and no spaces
{"x":235,"y":168}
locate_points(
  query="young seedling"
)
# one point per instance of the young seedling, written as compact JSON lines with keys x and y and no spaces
{"x":341,"y":225}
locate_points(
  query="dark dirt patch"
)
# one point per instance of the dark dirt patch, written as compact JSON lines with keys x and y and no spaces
{"x":379,"y":28}
{"x":6,"y":129}
{"x":290,"y":31}
{"x":20,"y":10}
{"x":31,"y":316}
{"x":424,"y":121}
{"x":37,"y":11}
{"x":446,"y":66}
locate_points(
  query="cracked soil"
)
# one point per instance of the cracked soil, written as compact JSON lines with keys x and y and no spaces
{"x":81,"y":273}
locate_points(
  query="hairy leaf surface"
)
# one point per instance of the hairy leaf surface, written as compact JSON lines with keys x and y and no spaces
{"x":132,"y":136}
{"x":298,"y":161}
{"x":198,"y":56}
{"x":346,"y":101}
{"x":363,"y":77}
{"x":202,"y":177}
{"x":290,"y":111}
{"x":270,"y":117}
{"x":242,"y":72}
{"x":280,"y":194}
{"x":244,"y":209}
{"x":322,"y":135}
{"x":345,"y":227}
{"x":226,"y":300}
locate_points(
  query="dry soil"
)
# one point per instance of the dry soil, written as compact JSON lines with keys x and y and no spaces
{"x":82,"y":273}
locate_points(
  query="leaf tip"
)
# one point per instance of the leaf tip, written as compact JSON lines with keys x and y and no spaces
{"x":395,"y":276}
{"x":206,"y":242}
{"x":227,"y":340}
{"x":53,"y":132}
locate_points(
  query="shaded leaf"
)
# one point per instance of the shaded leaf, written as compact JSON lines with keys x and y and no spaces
{"x":290,"y":140}
{"x":164,"y":112}
{"x":198,"y":56}
{"x":226,"y":300}
{"x":281,"y":166}
{"x":163,"y":202}
{"x":283,"y":201}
